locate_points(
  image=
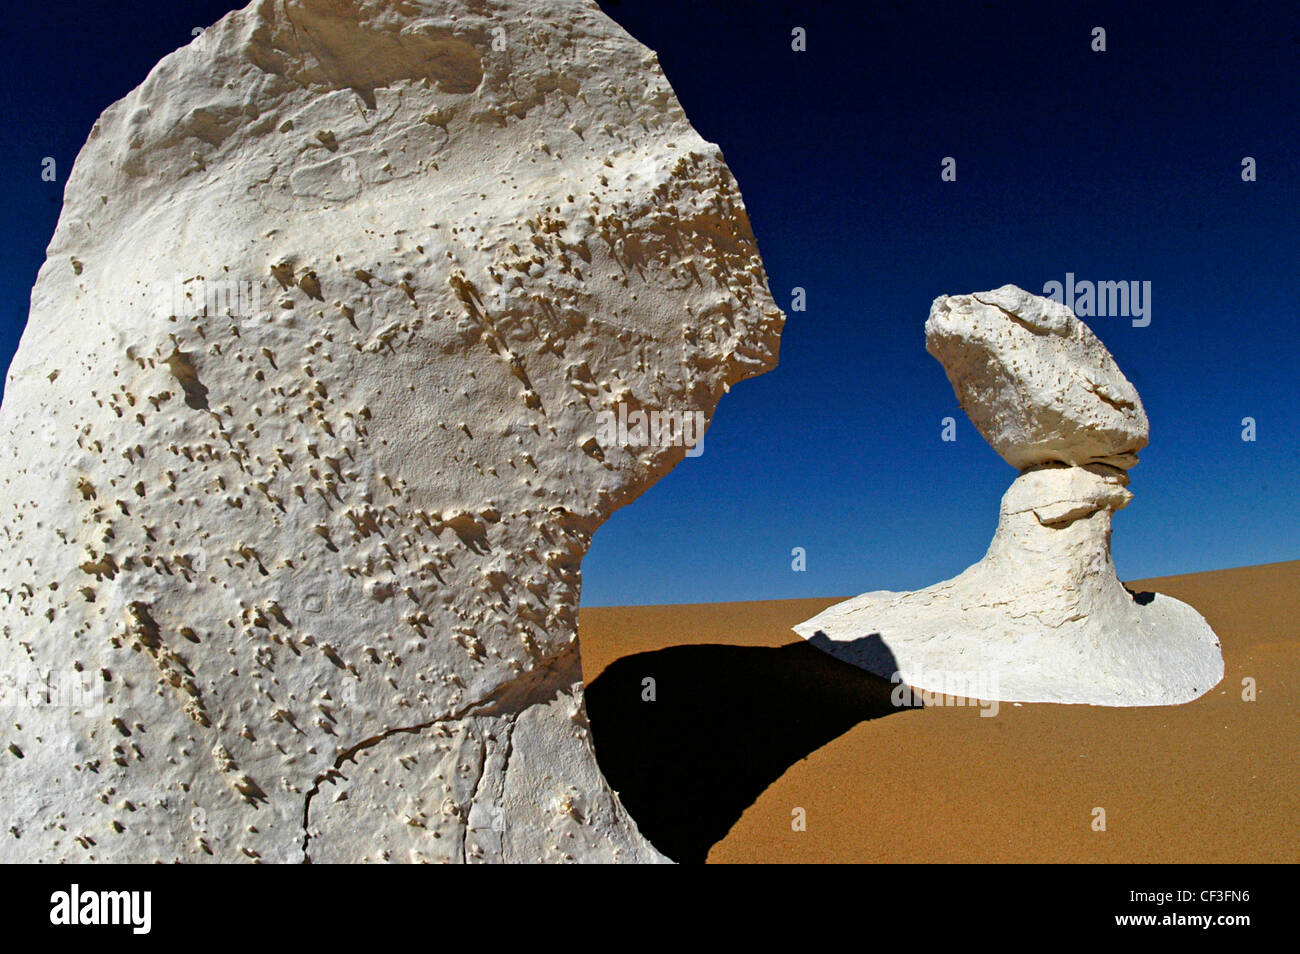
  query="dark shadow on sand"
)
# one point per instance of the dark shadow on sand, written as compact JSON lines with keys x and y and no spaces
{"x":725,"y":723}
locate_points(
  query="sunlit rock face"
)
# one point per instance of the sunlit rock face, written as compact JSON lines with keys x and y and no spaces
{"x":1042,"y":617}
{"x":299,"y":454}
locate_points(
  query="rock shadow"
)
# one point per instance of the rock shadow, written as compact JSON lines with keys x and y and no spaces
{"x":867,"y":652}
{"x":1142,"y":597}
{"x":724,"y":723}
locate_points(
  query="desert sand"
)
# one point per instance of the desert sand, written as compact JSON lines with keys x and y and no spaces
{"x":750,"y":723}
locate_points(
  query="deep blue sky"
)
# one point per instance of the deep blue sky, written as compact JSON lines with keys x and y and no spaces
{"x":1123,"y":165}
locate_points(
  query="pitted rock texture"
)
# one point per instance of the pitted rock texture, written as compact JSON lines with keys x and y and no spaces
{"x":298,"y":452}
{"x":1035,"y":381}
{"x":1042,"y":617}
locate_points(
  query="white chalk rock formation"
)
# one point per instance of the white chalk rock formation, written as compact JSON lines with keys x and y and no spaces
{"x":1042,"y":617}
{"x":299,"y":452}
{"x":1035,"y":380}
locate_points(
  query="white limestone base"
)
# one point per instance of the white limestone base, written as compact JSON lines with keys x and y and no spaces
{"x":1041,"y":618}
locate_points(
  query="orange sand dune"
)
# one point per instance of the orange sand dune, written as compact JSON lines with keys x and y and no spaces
{"x":750,"y":725}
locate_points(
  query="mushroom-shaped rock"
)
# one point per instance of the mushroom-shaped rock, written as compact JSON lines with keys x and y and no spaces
{"x":1042,"y":617}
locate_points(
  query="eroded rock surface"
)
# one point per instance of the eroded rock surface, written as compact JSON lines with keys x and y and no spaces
{"x":1042,"y":617}
{"x":1035,"y":380}
{"x":298,"y":454}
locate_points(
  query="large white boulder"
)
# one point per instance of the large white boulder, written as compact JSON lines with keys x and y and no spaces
{"x":302,"y":448}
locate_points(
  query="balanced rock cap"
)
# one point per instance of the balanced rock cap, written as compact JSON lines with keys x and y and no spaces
{"x":1036,"y":382}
